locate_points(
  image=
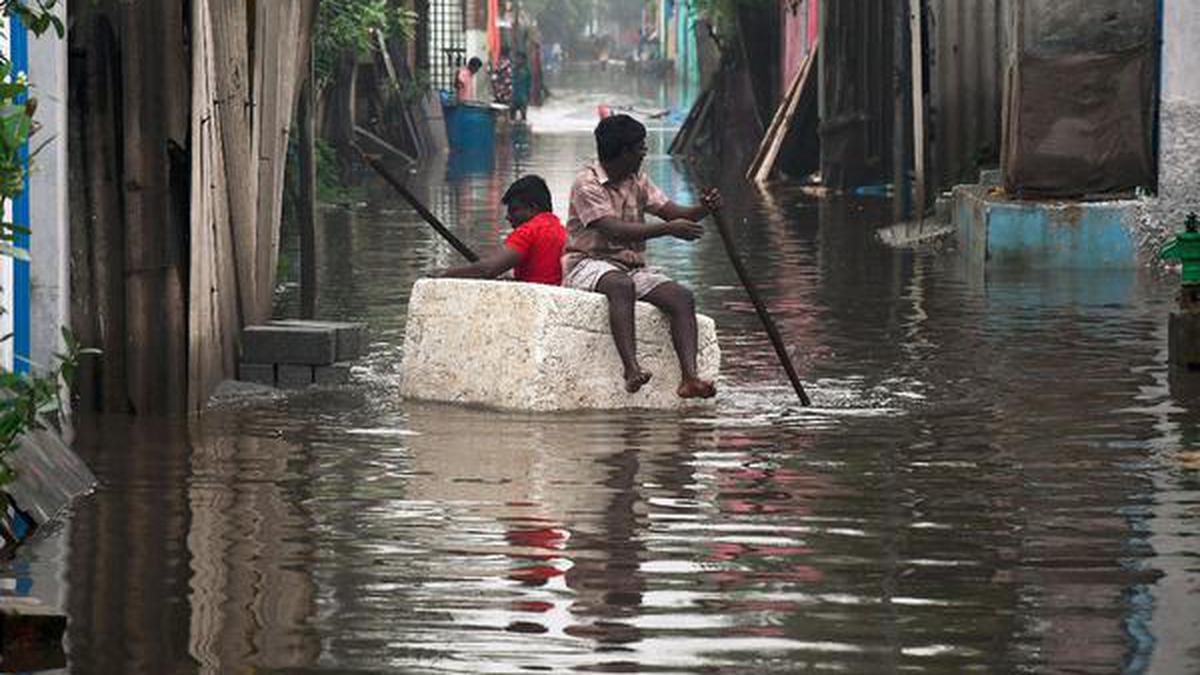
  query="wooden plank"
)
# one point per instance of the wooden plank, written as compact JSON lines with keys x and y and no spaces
{"x":760,"y":155}
{"x":213,"y":282}
{"x":153,"y":247}
{"x":107,"y":248}
{"x":235,"y":108}
{"x":279,"y":56}
{"x":697,"y":118}
{"x":768,"y":151}
{"x":918,"y":107}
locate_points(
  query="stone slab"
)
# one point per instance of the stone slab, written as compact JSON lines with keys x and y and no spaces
{"x":289,"y":344}
{"x":258,"y":373}
{"x":338,"y":373}
{"x":293,"y":376}
{"x":349,"y":335}
{"x":535,"y":347}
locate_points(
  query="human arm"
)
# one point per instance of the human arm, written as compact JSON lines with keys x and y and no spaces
{"x":710,"y":201}
{"x":593,"y":205}
{"x":615,"y":228}
{"x":490,"y":267}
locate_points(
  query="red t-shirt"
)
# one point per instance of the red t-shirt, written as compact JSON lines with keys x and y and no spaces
{"x":540,"y":241}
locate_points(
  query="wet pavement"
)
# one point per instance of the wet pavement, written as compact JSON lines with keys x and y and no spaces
{"x":994,"y":475}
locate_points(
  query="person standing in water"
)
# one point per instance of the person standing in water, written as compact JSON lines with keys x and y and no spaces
{"x":522,"y":84}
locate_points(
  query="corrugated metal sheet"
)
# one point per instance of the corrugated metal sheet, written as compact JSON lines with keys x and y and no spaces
{"x":856,"y":92}
{"x":966,"y":52}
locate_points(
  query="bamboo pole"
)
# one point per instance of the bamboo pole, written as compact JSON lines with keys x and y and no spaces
{"x":419,"y":207}
{"x":768,"y":151}
{"x":768,"y":323}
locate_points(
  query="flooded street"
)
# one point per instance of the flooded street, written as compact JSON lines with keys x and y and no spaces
{"x":994,"y":475}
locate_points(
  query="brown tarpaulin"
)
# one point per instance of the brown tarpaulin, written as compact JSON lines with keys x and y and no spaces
{"x":1080,"y":124}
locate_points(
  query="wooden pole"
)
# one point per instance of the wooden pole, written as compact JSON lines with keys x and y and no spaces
{"x":916,"y":63}
{"x":900,"y":184}
{"x":419,"y":207}
{"x":768,"y":150}
{"x":308,"y":197}
{"x":768,"y":323}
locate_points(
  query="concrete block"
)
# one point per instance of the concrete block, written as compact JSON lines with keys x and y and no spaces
{"x":990,"y":177}
{"x":289,"y":344}
{"x":1005,"y":232}
{"x":349,"y":336}
{"x":258,"y":373}
{"x":338,"y":373}
{"x":294,"y":376}
{"x":535,"y":347}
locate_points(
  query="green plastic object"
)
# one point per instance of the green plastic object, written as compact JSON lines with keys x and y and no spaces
{"x":1186,"y":249}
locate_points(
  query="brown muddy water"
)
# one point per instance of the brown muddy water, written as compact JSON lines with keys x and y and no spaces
{"x":994,"y":477}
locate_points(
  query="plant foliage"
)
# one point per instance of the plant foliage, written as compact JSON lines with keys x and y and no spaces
{"x":355,"y":26}
{"x":26,"y":399}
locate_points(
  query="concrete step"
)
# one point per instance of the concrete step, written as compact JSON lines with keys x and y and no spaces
{"x":348,"y":336}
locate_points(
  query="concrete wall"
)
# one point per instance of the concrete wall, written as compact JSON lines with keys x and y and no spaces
{"x":1179,"y":125}
{"x":50,"y":243}
{"x":1060,"y":27}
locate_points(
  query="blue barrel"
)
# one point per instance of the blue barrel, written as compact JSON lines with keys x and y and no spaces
{"x":471,"y":131}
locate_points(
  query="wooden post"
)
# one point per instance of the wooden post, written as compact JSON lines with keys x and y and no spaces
{"x":900,"y":206}
{"x":916,"y":63}
{"x":308,"y":196}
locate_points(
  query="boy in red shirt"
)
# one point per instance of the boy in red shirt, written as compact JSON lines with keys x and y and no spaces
{"x":534,"y":249}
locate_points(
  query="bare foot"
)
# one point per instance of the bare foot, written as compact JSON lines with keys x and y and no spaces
{"x":635,"y":380}
{"x":696,"y":388}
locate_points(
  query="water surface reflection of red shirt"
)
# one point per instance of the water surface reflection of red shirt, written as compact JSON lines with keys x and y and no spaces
{"x":540,"y":242}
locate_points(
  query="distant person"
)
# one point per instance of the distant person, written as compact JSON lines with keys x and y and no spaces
{"x":464,"y":80}
{"x":534,"y":248}
{"x":522,"y":85}
{"x":606,"y":248}
{"x":502,"y":78}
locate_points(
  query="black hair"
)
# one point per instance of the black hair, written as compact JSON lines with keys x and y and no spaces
{"x":530,"y":190}
{"x":615,"y":133}
{"x":474,"y":63}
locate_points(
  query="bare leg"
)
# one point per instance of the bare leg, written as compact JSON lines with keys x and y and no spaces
{"x":618,"y":288}
{"x":680,"y":307}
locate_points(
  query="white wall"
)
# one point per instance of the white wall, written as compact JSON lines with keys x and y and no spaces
{"x":1178,"y":128}
{"x":50,"y":242}
{"x":6,"y":265}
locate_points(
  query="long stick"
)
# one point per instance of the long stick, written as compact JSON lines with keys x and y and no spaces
{"x":763,"y":315}
{"x":420,"y":208}
{"x":917,"y":61}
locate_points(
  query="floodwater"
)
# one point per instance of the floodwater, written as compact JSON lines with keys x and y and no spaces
{"x":998,"y":474}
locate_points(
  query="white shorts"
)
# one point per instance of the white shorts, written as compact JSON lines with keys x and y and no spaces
{"x":586,"y":273}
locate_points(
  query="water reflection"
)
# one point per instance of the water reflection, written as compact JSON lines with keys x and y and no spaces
{"x":994,"y":477}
